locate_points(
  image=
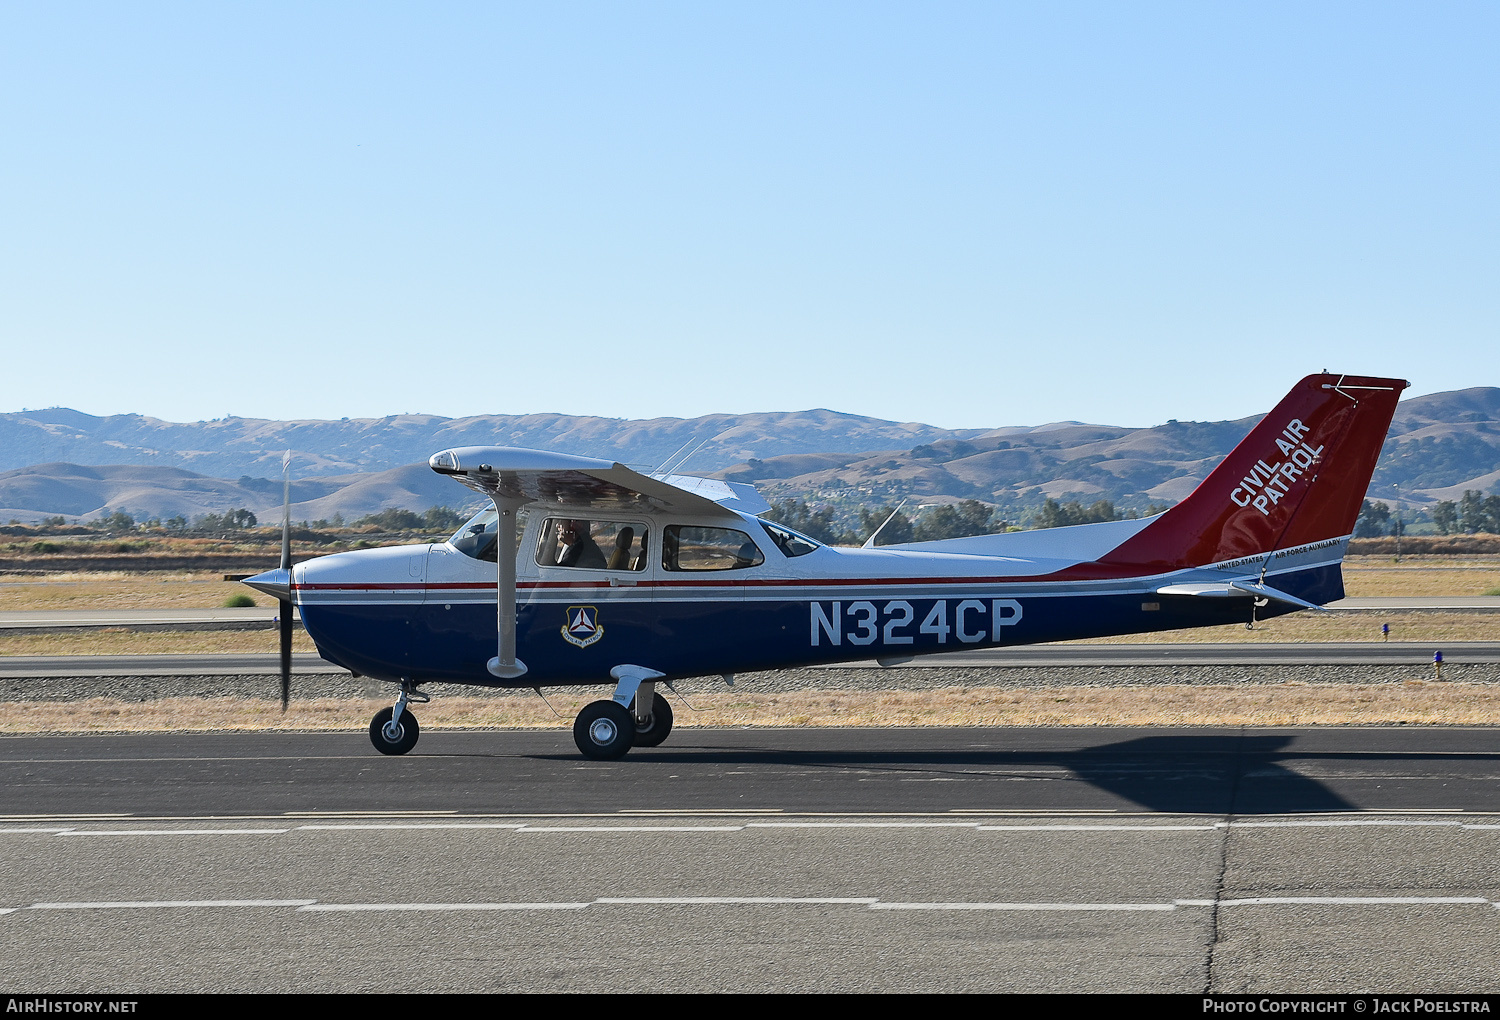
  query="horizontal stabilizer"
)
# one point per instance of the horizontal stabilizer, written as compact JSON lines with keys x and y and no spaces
{"x":1205,"y":591}
{"x":1243,"y":589}
{"x":1267,"y":592}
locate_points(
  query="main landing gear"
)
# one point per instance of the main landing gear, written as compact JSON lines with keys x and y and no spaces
{"x":635,"y":717}
{"x":394,"y":730}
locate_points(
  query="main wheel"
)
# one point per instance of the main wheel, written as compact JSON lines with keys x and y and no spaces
{"x":399,"y":742}
{"x":603,"y":730}
{"x":655,"y":731}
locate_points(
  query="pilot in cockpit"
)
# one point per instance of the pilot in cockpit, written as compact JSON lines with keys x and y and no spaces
{"x":576,"y":548}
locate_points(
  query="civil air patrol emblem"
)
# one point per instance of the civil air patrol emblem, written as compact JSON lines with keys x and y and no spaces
{"x":581,"y":626}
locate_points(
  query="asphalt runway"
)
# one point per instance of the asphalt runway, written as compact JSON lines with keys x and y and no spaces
{"x":1221,"y":771}
{"x":756,"y":860}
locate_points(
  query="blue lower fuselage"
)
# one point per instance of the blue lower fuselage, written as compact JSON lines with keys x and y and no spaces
{"x":577,"y":635}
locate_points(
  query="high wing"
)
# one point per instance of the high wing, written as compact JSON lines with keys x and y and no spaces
{"x":536,"y":476}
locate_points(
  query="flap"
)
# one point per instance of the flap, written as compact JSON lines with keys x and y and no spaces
{"x":734,"y":495}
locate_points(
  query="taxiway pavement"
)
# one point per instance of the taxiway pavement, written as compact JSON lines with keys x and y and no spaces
{"x":756,"y":860}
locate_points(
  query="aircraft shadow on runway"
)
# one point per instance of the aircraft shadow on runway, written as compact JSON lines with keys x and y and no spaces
{"x":1188,"y":773}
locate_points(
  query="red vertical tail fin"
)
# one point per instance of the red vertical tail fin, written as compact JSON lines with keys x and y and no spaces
{"x":1299,"y":477}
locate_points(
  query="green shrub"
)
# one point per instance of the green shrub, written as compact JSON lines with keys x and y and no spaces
{"x":1493,"y":591}
{"x":241,"y":601}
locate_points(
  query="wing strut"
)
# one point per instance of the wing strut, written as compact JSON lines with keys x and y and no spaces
{"x":284,"y":606}
{"x":505,"y":665}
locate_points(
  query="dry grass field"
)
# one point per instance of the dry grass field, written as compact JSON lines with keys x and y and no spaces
{"x":1334,"y":626}
{"x":1421,"y":576}
{"x":118,"y":590}
{"x":118,"y":641}
{"x":1415,"y":702}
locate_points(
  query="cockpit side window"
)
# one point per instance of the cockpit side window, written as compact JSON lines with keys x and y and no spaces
{"x":592,"y":545}
{"x":788,"y":541}
{"x":691,"y":548}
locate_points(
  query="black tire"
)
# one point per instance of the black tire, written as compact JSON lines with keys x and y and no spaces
{"x":655,"y":731}
{"x":405,"y":741}
{"x":603,"y":730}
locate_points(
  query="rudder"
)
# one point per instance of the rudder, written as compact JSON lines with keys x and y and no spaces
{"x":1299,"y":477}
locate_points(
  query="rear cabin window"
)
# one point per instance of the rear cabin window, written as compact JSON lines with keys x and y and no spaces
{"x":592,"y":545}
{"x":689,"y":548}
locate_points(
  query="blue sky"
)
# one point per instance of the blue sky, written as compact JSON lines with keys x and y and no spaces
{"x":963,"y":214}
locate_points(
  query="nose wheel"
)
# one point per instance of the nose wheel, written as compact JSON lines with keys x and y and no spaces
{"x":394,"y":730}
{"x":394,"y":737}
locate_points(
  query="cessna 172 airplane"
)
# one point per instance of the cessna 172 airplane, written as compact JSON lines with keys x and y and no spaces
{"x":586,"y":572}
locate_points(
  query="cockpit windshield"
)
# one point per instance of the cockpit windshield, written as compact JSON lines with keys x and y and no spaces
{"x":477,"y":538}
{"x":788,"y":541}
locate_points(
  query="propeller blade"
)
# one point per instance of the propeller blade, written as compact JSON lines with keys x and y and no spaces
{"x":285,"y":626}
{"x":285,"y":615}
{"x":286,"y":511}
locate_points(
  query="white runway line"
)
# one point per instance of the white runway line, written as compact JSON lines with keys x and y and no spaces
{"x":412,"y":825}
{"x":1324,"y":823}
{"x":1350,"y":901}
{"x":1099,"y":828}
{"x":173,"y":832}
{"x":353,"y":908}
{"x":156,"y":904}
{"x":1026,"y":906}
{"x":1455,"y":824}
{"x":868,"y":902}
{"x":737,"y":900}
{"x":862,"y":825}
{"x":630,"y":828}
{"x":55,"y":831}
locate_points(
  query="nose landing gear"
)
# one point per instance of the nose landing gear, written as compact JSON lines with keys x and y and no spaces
{"x":394,"y":730}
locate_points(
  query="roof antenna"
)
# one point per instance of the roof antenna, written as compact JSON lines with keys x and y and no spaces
{"x":871,"y":540}
{"x":663,"y":469}
{"x":683,"y":460}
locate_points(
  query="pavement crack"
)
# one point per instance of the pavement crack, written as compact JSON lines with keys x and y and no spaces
{"x":1236,"y":773}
